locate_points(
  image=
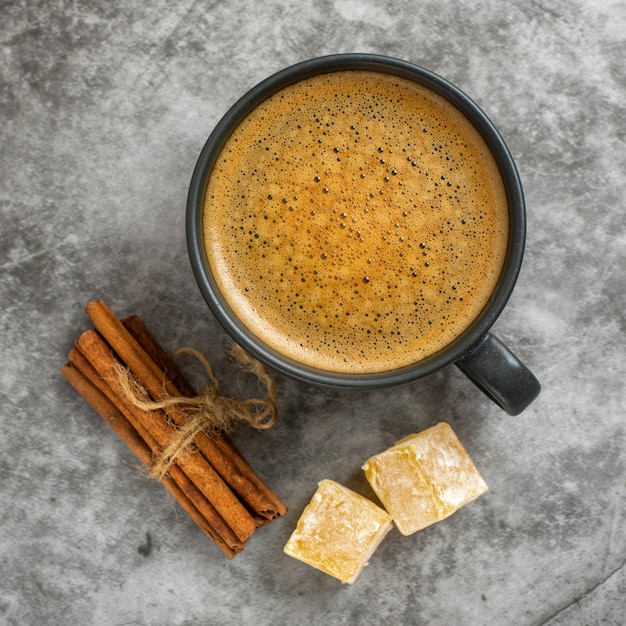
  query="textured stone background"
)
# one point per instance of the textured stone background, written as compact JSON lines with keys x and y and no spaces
{"x":104,"y":108}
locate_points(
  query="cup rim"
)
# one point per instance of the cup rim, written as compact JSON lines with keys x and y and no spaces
{"x":342,"y":62}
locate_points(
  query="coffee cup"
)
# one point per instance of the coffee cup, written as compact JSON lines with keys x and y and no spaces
{"x":357,"y":221}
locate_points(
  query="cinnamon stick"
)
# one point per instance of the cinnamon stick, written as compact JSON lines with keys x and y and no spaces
{"x":219,"y":448}
{"x":108,"y":411}
{"x":220,"y":531}
{"x":118,"y":422}
{"x":135,"y":326}
{"x":234,"y":471}
{"x":195,"y":466}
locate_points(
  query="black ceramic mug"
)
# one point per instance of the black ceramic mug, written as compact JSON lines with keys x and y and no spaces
{"x":487,"y":362}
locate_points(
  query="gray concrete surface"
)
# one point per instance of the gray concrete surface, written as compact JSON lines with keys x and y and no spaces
{"x":104,"y":109}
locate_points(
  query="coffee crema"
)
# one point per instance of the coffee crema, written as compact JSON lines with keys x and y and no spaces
{"x":356,"y":222}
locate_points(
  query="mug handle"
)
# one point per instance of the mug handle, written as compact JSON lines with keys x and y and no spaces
{"x":497,"y":372}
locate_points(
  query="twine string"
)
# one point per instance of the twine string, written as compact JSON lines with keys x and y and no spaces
{"x":209,"y":411}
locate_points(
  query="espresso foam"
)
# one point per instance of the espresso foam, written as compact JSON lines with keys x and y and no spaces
{"x":356,"y":222}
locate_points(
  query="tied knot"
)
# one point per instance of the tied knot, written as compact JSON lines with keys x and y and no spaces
{"x":209,"y":411}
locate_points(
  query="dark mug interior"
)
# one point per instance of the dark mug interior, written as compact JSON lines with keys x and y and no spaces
{"x":454,"y":351}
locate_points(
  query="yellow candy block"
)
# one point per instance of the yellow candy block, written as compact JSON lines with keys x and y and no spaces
{"x":424,"y":478}
{"x":338,"y":531}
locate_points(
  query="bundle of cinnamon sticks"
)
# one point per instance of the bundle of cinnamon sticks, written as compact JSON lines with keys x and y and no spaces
{"x":213,"y":483}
